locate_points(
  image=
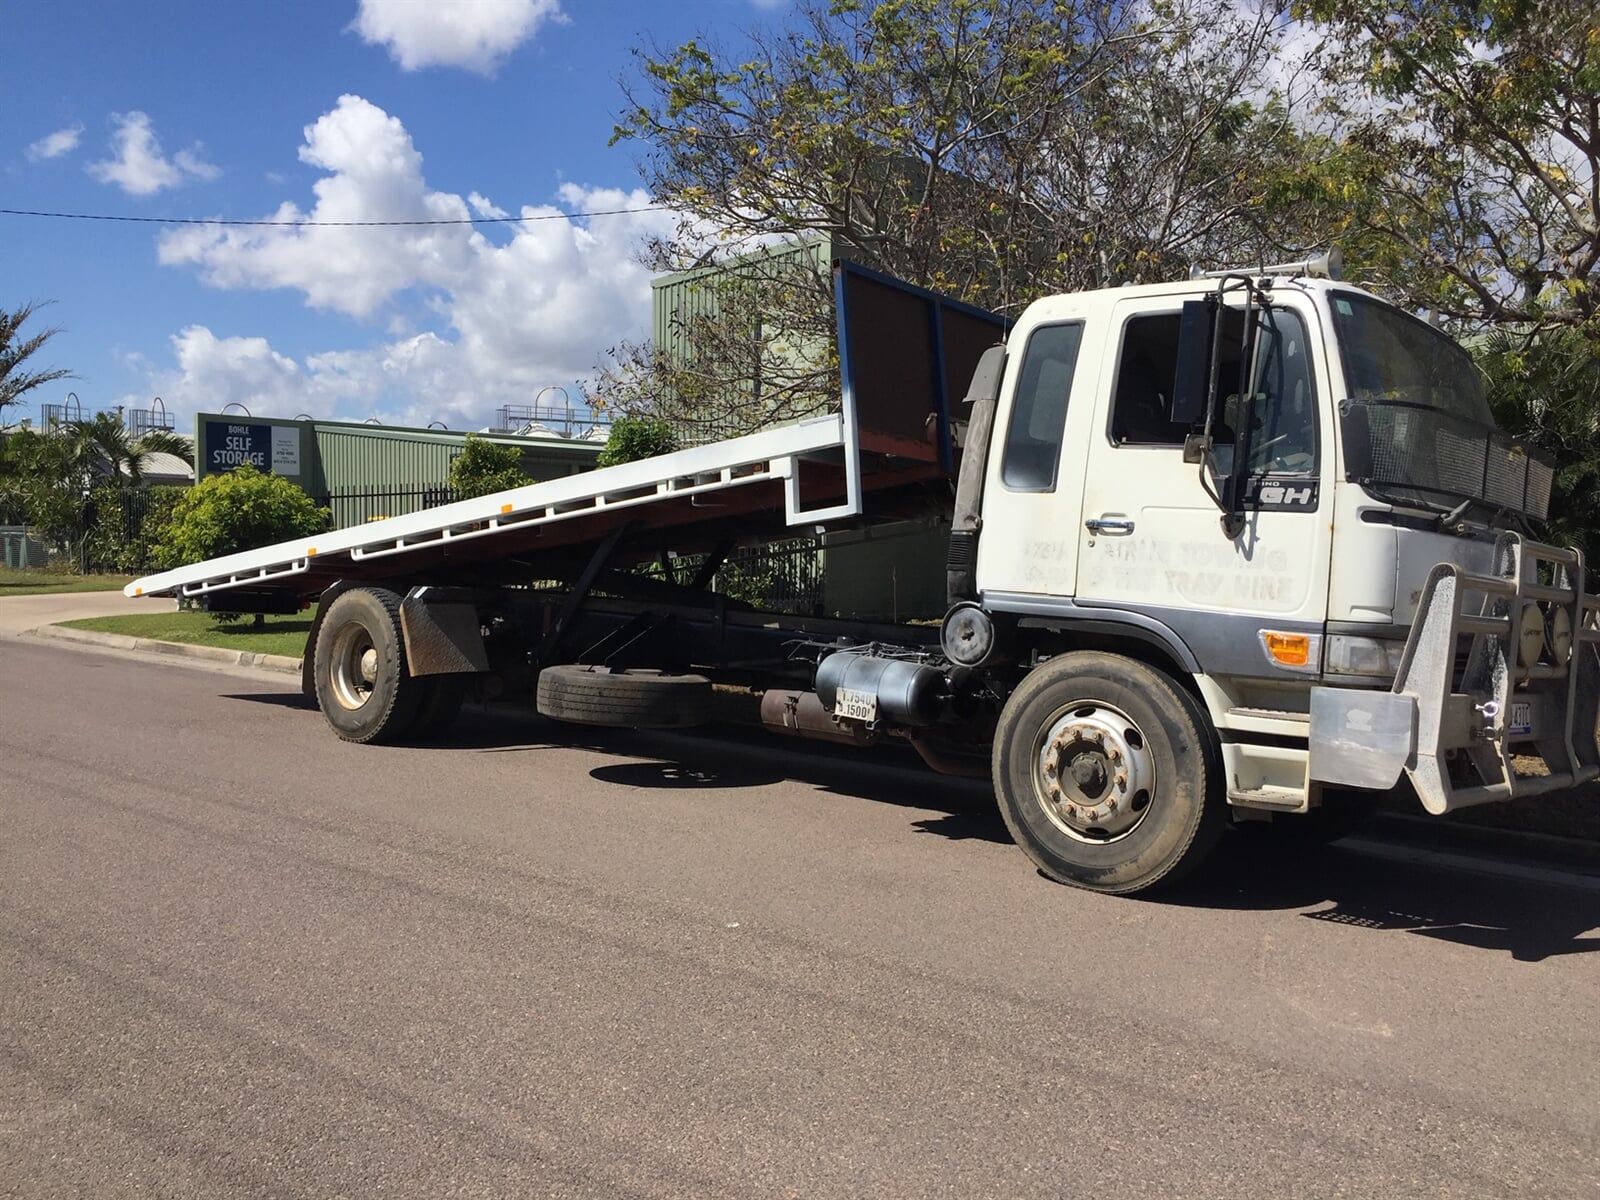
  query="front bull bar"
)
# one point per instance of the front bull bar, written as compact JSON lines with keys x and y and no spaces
{"x":1463,"y":696}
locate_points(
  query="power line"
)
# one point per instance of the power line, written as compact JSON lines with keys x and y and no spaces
{"x":508,"y":220}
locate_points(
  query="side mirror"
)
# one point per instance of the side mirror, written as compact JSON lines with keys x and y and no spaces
{"x":1198,"y":336}
{"x":1192,"y":385}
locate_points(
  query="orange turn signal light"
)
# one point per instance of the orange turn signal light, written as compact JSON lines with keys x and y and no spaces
{"x":1287,"y":649}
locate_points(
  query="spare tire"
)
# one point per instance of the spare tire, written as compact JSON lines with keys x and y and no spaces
{"x":624,"y":699}
{"x":644,"y":700}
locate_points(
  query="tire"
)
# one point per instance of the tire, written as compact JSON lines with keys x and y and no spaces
{"x":442,"y":696}
{"x":382,"y":708}
{"x":1136,"y":773}
{"x":623,"y":699}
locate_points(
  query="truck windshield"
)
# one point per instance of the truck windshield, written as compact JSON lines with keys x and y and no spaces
{"x":1391,"y":357}
{"x":1416,"y":425}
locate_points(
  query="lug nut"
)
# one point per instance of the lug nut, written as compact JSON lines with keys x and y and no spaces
{"x":1122,"y":783}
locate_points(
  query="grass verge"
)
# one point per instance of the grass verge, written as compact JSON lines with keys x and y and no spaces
{"x":280,"y":635}
{"x":40,"y":583}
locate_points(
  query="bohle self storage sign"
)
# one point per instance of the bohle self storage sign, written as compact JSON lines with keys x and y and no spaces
{"x":268,"y":448}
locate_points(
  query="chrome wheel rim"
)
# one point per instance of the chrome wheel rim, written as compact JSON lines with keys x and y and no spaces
{"x":353,"y":666}
{"x":1093,"y":772}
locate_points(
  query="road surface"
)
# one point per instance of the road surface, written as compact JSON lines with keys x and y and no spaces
{"x":239,"y":957}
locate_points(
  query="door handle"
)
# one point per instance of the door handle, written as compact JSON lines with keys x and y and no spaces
{"x":1117,"y":525}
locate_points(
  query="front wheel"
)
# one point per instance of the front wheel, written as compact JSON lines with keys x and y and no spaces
{"x":1105,"y":773}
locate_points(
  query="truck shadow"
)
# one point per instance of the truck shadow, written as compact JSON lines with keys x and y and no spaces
{"x":1343,"y":884}
{"x":1340,"y":884}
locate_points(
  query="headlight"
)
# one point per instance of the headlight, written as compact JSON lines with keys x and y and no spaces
{"x":1350,"y":655}
{"x":1530,"y":636}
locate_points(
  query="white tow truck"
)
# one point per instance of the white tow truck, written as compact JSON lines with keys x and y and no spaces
{"x":1229,"y":549}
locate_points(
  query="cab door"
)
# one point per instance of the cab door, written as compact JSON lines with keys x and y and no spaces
{"x":1034,"y":478}
{"x":1151,"y":538}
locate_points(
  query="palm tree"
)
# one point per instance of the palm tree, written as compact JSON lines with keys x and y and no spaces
{"x":15,"y":350}
{"x":164,"y":441}
{"x":103,"y":447}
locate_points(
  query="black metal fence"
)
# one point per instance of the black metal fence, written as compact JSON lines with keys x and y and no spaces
{"x":785,"y":577}
{"x":359,"y":506}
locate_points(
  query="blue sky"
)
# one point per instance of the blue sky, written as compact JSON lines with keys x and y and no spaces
{"x":345,"y":109}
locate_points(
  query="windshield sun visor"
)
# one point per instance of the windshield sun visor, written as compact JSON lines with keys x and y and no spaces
{"x":1413,"y":450}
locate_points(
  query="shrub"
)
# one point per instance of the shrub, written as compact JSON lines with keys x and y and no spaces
{"x":484,"y":467}
{"x":633,"y":438}
{"x":127,"y":526}
{"x":244,"y":509}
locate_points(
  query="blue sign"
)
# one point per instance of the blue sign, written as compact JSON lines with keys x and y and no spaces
{"x":229,"y":446}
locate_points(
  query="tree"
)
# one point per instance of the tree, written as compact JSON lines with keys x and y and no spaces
{"x":16,"y":380}
{"x":43,"y":479}
{"x":1469,"y":154}
{"x":1549,"y":391}
{"x":992,"y":149}
{"x":162,"y":441}
{"x":484,"y":467}
{"x":633,"y":438}
{"x":240,"y":510}
{"x":1467,"y":167}
{"x":104,"y":449}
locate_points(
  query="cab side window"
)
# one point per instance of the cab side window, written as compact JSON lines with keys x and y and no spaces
{"x":1039,"y":409}
{"x":1283,"y":437}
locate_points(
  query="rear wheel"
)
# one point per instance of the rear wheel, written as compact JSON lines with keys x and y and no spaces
{"x":1105,"y":773}
{"x":362,"y":683}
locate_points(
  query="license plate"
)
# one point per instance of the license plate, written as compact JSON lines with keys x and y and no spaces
{"x":1521,"y":721}
{"x":858,"y":706}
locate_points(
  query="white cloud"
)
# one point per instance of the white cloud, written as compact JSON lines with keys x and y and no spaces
{"x":485,"y":207}
{"x":475,"y":34}
{"x":139,"y":167}
{"x":514,"y":315}
{"x":213,"y":372}
{"x":54,"y":145}
{"x":191,"y":164}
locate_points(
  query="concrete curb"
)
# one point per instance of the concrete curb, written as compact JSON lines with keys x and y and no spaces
{"x":121,"y":641}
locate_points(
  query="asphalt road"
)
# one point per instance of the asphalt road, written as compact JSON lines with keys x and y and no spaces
{"x":239,"y":957}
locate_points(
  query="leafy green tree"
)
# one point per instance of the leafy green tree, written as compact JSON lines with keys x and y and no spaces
{"x":484,"y":467}
{"x":240,"y":510}
{"x":1465,"y":166}
{"x":1548,"y":390}
{"x":1467,"y":157}
{"x":127,"y":526}
{"x":16,"y":379}
{"x":633,"y":438}
{"x":44,"y":480}
{"x":996,"y":150}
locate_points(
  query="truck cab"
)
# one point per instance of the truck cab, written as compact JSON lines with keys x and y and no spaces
{"x":1252,"y":484}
